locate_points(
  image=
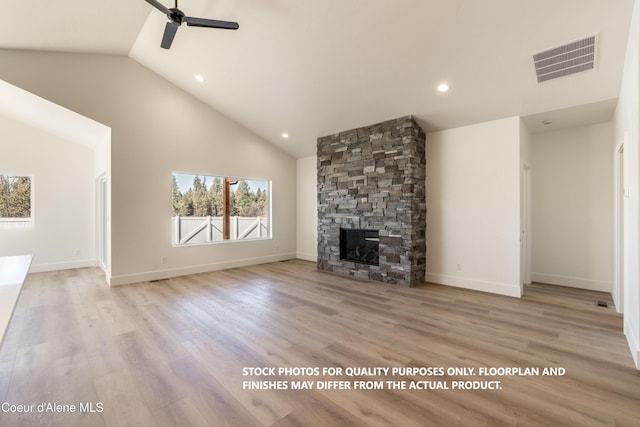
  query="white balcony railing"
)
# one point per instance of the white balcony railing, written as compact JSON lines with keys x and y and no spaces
{"x":16,"y":223}
{"x":193,"y":230}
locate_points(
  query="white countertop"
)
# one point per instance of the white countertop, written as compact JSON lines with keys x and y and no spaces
{"x":13,"y":271}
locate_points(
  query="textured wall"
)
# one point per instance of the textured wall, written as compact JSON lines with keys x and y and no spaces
{"x":374,"y":178}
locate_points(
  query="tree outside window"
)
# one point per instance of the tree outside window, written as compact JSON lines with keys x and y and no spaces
{"x":15,"y":201}
{"x":209,"y":209}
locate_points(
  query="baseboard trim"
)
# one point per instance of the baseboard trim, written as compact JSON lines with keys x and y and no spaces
{"x":572,"y":282}
{"x":634,"y":346}
{"x":307,"y":257}
{"x":616,"y":300}
{"x":507,"y":289}
{"x":128,"y":279}
{"x":67,"y":265}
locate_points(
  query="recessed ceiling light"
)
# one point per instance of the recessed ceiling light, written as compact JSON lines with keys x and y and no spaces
{"x":443,"y":87}
{"x":200,"y":78}
{"x":285,"y":135}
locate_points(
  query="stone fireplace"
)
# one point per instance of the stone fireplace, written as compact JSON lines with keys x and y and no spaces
{"x":371,"y":187}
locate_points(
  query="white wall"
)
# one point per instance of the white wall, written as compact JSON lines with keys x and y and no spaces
{"x":307,"y":211}
{"x":626,"y":130}
{"x":526,"y":164}
{"x":573,"y":207}
{"x":102,"y":156}
{"x":157,"y":128}
{"x":63,"y":197}
{"x":473,"y":207}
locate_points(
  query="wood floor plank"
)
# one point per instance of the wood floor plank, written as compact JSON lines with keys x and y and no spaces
{"x":212,"y":400}
{"x":179,"y":414}
{"x":172,"y":352}
{"x":266,"y":407}
{"x":121,"y":394}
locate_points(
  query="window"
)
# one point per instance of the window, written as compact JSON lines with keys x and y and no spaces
{"x":15,"y":202}
{"x":210,"y":209}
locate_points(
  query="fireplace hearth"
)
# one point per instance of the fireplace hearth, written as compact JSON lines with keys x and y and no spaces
{"x":361,"y":246}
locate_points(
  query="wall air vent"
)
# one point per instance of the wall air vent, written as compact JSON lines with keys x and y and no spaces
{"x":567,"y":59}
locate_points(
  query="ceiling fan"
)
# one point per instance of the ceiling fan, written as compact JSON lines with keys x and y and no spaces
{"x":177,"y":17}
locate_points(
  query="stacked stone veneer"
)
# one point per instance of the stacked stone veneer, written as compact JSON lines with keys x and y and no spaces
{"x":374,"y":178}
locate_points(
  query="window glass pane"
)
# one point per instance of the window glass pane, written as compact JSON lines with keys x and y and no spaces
{"x":209,"y":209}
{"x":15,"y":202}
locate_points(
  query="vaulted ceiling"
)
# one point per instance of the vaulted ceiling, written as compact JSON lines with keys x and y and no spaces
{"x":312,"y":68}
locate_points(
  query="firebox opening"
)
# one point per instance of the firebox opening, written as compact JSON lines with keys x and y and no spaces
{"x":361,"y":246}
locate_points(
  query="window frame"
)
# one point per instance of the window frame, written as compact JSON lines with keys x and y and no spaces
{"x":22,"y":223}
{"x":208,"y":180}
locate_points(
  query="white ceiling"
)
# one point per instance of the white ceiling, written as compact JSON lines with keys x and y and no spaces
{"x":312,"y":68}
{"x":39,"y":113}
{"x":100,"y":26}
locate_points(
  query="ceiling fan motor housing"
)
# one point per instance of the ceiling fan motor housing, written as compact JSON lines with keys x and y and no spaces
{"x":176,"y":15}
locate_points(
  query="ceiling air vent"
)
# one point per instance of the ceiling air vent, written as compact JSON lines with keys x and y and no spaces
{"x":567,"y":59}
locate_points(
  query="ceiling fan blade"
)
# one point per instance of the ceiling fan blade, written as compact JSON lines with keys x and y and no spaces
{"x":169,"y":33}
{"x":210,"y":23}
{"x":159,"y":6}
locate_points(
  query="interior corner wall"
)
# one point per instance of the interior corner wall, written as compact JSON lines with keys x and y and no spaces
{"x":102,"y":157}
{"x":627,"y":127}
{"x":307,"y":209}
{"x":473,"y":207}
{"x":526,"y":165}
{"x":157,"y":128}
{"x":572,"y":188}
{"x":63,"y":197}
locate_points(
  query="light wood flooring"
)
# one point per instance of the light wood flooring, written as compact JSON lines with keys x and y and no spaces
{"x":172,"y":353}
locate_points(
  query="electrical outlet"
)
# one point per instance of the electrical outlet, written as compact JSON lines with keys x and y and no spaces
{"x":163,"y":260}
{"x":458,"y":267}
{"x":78,"y":252}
